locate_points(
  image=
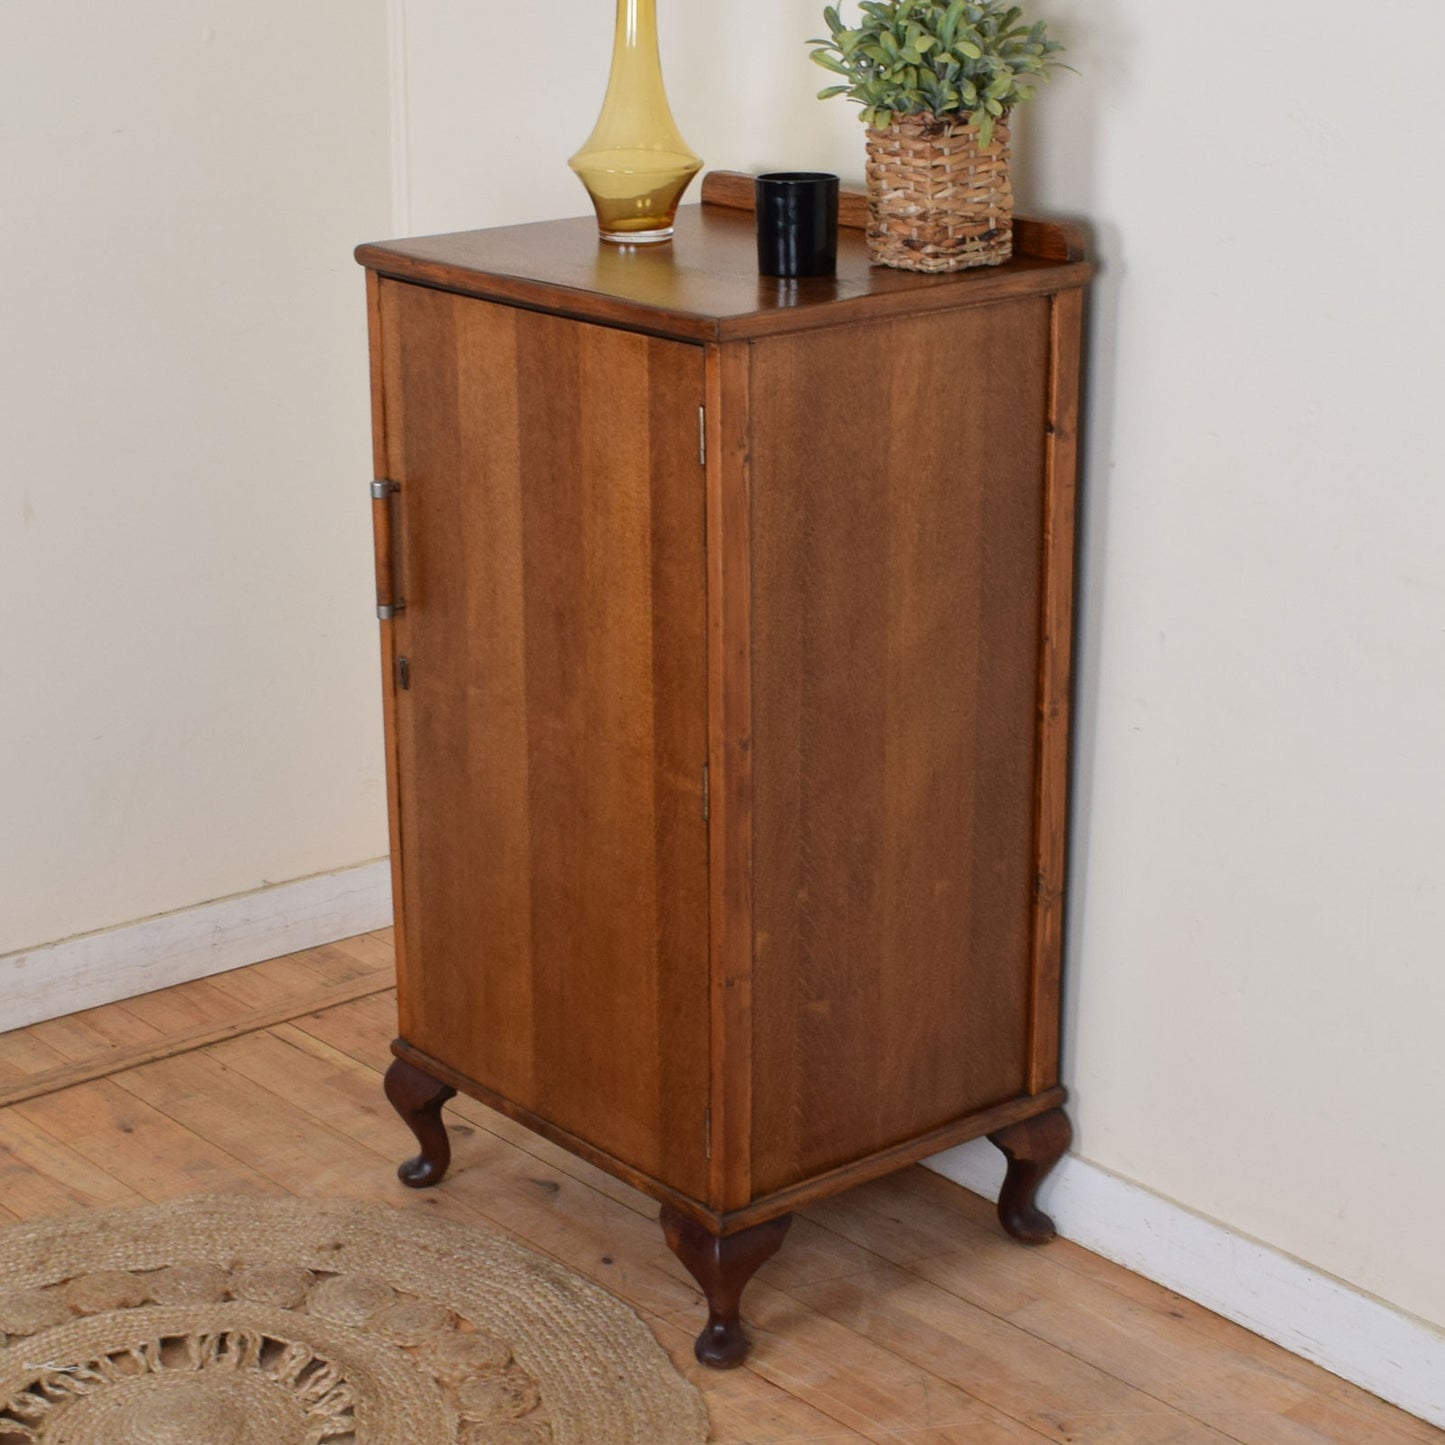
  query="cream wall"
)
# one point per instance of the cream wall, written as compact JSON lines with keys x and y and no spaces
{"x":187,"y":660}
{"x":1258,"y":991}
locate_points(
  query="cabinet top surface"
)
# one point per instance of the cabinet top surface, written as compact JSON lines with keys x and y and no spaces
{"x":704,"y":284}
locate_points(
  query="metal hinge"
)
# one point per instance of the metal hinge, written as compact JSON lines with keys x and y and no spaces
{"x":707,"y":1133}
{"x":385,"y":611}
{"x":702,"y":435}
{"x":380,"y":491}
{"x":706,"y":793}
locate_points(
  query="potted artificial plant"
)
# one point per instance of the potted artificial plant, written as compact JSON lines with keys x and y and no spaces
{"x":937,"y":80}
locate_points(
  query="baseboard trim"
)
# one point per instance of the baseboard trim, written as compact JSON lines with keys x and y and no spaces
{"x":136,"y":958}
{"x":1354,"y":1335}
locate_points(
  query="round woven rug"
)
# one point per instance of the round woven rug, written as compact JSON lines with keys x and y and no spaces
{"x":293,"y":1322}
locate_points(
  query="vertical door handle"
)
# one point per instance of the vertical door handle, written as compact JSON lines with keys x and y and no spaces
{"x":388,"y":603}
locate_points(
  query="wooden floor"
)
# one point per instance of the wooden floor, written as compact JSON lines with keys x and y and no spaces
{"x":898,"y":1312}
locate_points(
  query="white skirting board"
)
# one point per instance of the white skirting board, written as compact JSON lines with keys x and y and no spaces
{"x":1392,"y":1354}
{"x":135,"y":958}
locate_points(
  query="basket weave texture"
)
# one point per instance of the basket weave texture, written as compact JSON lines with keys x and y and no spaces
{"x":317,"y":1322}
{"x":937,"y":199}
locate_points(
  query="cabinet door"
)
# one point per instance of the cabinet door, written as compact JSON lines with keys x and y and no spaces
{"x":552,"y":732}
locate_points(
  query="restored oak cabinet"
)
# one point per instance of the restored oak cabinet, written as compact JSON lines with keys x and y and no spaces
{"x":726,"y":639}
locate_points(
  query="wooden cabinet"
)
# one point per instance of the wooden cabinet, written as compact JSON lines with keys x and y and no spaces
{"x":726,"y":641}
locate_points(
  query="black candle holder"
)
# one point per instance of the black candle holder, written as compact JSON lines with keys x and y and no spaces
{"x":797,"y":223}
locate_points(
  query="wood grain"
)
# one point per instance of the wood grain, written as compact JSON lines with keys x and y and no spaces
{"x":896,"y":582}
{"x":1055,"y":689}
{"x":704,"y":286}
{"x":553,"y":738}
{"x":730,"y":753}
{"x":140,"y":1148}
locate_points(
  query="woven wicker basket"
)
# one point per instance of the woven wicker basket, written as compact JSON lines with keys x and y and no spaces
{"x":937,"y":199}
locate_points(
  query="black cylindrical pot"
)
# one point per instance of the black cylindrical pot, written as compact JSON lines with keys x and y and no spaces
{"x":797,"y":223}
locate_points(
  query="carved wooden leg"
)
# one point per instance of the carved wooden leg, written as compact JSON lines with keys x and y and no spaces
{"x":419,"y":1098}
{"x":1032,"y":1148}
{"x":722,"y":1266}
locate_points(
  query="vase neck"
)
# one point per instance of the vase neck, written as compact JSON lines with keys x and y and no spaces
{"x":636,"y":29}
{"x":636,"y":59}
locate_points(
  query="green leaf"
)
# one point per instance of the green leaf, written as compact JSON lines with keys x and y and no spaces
{"x":833,"y":90}
{"x":953,"y":17}
{"x":828,"y":63}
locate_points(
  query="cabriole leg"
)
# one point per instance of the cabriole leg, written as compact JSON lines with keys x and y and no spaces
{"x":722,"y":1266}
{"x":419,"y":1098}
{"x":1032,"y":1148}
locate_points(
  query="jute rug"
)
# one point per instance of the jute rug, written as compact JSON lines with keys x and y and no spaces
{"x":291,"y":1322}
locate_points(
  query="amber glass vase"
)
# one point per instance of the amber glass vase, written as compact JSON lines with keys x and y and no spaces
{"x":635,"y":164}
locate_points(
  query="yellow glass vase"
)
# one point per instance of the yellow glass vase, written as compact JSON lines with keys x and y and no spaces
{"x":636,"y":164}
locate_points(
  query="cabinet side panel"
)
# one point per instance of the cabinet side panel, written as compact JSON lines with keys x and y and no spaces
{"x":898,"y":477}
{"x":554,"y":732}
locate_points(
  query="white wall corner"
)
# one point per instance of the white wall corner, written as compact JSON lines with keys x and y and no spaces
{"x":1354,"y":1335}
{"x":135,"y":958}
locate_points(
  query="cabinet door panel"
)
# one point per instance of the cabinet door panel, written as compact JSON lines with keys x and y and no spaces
{"x":552,"y":738}
{"x":897,"y":536}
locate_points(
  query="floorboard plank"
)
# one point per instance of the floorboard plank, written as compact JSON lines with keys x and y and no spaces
{"x":186,"y":1007}
{"x":1063,"y":1398}
{"x":95,"y":1036}
{"x":142,"y":1148}
{"x":22,"y":1054}
{"x":41,"y":1178}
